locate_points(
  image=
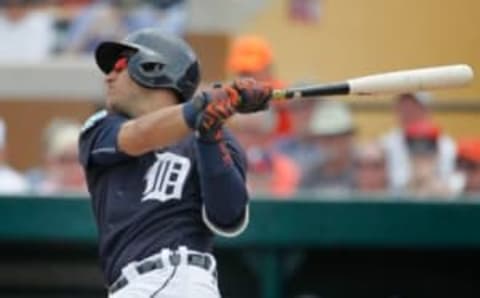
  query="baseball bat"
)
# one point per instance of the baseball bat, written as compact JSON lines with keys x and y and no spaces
{"x":421,"y":79}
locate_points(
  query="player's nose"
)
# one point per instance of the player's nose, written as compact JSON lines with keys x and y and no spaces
{"x":110,"y":77}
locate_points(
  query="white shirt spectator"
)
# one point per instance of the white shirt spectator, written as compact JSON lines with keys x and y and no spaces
{"x":11,"y":182}
{"x":398,"y":161}
{"x":28,"y":39}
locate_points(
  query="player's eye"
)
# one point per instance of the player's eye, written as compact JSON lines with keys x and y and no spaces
{"x":121,"y":64}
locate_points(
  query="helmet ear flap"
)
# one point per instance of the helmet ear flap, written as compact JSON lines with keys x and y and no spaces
{"x":190,"y":80}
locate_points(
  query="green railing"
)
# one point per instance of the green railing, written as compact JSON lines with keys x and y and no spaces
{"x":274,"y":226}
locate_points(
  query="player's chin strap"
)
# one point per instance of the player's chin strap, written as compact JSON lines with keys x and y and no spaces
{"x":175,"y":261}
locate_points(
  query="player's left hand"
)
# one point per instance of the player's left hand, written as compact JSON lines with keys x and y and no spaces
{"x":254,"y":95}
{"x":216,"y":105}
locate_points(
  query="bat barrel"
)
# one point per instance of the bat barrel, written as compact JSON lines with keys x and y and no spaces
{"x":422,"y":79}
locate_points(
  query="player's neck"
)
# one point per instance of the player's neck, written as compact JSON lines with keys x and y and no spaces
{"x":156,"y":101}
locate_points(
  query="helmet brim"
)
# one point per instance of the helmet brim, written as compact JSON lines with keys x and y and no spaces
{"x":108,"y":52}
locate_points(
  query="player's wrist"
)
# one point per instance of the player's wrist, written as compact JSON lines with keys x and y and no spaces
{"x":190,"y":114}
{"x":193,"y":108}
{"x":210,"y":137}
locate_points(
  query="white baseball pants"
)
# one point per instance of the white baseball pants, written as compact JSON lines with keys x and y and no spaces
{"x":181,"y":281}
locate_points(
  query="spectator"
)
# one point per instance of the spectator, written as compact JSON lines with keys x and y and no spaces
{"x":66,"y":11}
{"x":468,"y":162}
{"x":269,"y":171}
{"x":410,"y":108}
{"x":61,"y":172}
{"x":252,"y":56}
{"x":371,"y":169}
{"x":422,"y":138}
{"x":173,"y":15}
{"x":331,"y":132}
{"x":295,"y":145}
{"x":111,"y":20}
{"x":27,"y":34}
{"x":10,"y":180}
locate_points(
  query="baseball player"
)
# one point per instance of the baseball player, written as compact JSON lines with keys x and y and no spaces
{"x":163,"y":173}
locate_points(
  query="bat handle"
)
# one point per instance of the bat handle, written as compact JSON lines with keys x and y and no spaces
{"x":278,"y":94}
{"x":283,"y":94}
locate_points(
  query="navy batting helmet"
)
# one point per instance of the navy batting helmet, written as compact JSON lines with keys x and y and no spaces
{"x":157,"y":60}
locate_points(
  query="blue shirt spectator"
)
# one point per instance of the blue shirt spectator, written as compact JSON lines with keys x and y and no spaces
{"x":111,"y":20}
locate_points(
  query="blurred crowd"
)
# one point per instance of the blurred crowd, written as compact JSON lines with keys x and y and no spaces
{"x":302,"y":147}
{"x":44,"y":28}
{"x":59,"y":171}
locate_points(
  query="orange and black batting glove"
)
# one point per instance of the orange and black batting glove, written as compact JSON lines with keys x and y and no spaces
{"x":254,"y":96}
{"x":216,"y":106}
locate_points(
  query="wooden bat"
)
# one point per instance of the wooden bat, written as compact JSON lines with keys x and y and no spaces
{"x":421,"y":79}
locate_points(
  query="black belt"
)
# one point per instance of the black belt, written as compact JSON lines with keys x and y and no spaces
{"x":199,"y":260}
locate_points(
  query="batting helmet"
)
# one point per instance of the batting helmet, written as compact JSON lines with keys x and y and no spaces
{"x":157,"y":60}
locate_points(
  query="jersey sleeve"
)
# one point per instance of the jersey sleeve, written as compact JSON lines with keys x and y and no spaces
{"x":237,"y":153}
{"x":240,"y":164}
{"x":98,"y":140}
{"x":228,"y":232}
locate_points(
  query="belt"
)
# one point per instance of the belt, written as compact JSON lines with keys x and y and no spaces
{"x":194,"y":259}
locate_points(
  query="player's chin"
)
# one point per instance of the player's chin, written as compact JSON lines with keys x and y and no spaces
{"x":113,"y":106}
{"x":113,"y":103}
{"x":109,"y":103}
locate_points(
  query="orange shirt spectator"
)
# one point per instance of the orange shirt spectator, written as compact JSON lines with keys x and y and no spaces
{"x":272,"y":173}
{"x":468,"y":162}
{"x":269,"y":172}
{"x":252,"y":56}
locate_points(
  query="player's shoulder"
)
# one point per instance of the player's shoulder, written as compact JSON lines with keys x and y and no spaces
{"x":98,"y":118}
{"x":94,"y":120}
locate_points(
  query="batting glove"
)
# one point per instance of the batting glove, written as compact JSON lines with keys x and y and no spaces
{"x":215,"y":107}
{"x":254,"y":95}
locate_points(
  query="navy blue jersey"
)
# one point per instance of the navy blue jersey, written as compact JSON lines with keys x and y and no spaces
{"x":146,"y":203}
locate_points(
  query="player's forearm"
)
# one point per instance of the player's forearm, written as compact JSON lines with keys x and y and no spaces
{"x":153,"y":130}
{"x":223,"y":188}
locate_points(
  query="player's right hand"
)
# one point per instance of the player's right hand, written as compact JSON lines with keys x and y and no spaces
{"x":255,"y":96}
{"x":216,"y":105}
